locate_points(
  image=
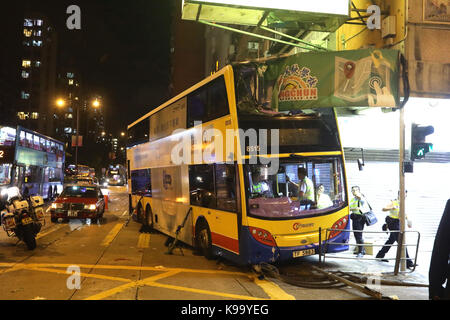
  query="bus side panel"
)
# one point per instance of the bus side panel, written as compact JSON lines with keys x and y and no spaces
{"x":170,"y":199}
{"x":223,"y":228}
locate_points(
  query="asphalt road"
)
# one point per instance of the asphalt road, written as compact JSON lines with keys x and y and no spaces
{"x":112,"y":260}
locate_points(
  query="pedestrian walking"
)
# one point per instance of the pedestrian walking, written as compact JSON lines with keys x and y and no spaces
{"x":358,"y":206}
{"x":393,"y":224}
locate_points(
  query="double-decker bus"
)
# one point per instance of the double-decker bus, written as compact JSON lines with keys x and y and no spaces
{"x":233,"y":189}
{"x":116,"y":175}
{"x":31,"y":160}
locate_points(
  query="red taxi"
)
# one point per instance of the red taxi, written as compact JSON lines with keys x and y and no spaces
{"x":78,"y":202}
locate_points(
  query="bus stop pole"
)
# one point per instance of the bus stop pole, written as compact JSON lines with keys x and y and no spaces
{"x":400,"y":258}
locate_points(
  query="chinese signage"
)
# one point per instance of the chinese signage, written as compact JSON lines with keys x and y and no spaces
{"x":335,"y":79}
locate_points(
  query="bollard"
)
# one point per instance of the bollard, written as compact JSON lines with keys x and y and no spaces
{"x":106,"y":201}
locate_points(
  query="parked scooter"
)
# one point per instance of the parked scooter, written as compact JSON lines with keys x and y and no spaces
{"x":22,"y":217}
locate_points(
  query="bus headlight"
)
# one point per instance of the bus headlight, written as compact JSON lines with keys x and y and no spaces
{"x":90,"y":207}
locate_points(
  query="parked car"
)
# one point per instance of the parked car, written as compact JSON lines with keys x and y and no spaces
{"x":78,"y":202}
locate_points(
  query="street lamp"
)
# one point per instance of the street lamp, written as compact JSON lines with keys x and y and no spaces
{"x":96,"y":103}
{"x":60,"y":102}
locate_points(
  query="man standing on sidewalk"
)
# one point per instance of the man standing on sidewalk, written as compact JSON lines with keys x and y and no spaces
{"x":358,"y":206}
{"x":393,"y":224}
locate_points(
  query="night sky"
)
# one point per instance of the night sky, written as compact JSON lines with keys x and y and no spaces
{"x":122,"y":50}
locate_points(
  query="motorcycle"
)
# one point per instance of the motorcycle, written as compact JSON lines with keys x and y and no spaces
{"x":22,"y":217}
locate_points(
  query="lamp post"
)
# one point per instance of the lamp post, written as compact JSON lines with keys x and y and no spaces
{"x":61,"y":103}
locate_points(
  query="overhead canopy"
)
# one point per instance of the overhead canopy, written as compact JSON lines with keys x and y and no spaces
{"x":317,"y":15}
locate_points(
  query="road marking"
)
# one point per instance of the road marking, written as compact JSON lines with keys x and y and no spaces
{"x":144,"y":240}
{"x":111,"y":235}
{"x":87,"y":275}
{"x":124,"y":287}
{"x":43,"y":234}
{"x":273,"y":290}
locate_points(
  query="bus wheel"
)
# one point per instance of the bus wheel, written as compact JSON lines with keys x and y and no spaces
{"x":140,"y":214}
{"x":203,"y":239}
{"x":148,"y":218}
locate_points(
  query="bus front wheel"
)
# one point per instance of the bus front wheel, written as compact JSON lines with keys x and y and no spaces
{"x":203,"y":240}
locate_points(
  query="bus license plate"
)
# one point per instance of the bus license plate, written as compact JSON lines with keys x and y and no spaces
{"x":72,"y":214}
{"x":26,"y":221}
{"x":303,"y":253}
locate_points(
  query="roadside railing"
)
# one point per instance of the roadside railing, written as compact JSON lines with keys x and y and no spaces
{"x":323,"y":247}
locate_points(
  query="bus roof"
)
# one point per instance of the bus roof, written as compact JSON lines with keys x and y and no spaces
{"x":183,"y":94}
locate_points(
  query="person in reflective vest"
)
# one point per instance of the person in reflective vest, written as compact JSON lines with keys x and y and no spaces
{"x":305,"y":185}
{"x":260,"y":186}
{"x":393,"y":224}
{"x":358,"y":206}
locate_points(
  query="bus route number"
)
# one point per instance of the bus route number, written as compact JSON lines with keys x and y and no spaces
{"x":2,"y":154}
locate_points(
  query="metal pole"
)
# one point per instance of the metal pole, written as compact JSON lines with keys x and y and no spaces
{"x":76,"y":145}
{"x":401,"y":262}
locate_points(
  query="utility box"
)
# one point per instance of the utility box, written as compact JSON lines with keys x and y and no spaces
{"x":388,"y":27}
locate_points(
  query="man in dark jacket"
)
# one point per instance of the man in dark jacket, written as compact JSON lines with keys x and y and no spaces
{"x":440,"y":259}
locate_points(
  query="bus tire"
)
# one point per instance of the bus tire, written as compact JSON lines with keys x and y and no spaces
{"x":203,"y":239}
{"x":140,"y":214}
{"x":148,"y":218}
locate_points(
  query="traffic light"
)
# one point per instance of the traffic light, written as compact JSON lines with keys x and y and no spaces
{"x":418,"y":145}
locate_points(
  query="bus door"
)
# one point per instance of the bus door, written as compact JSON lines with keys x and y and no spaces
{"x":214,"y":196}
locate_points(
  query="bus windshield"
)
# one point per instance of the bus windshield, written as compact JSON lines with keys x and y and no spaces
{"x":276,"y":196}
{"x":5,"y":174}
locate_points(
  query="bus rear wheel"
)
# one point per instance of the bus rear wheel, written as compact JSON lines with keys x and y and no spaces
{"x":203,"y":240}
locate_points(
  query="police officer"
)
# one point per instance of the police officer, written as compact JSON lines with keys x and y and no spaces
{"x":305,"y":185}
{"x":260,"y":186}
{"x":393,"y":224}
{"x":358,"y":206}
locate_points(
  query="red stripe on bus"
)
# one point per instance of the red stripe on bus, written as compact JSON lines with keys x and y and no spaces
{"x":225,"y":242}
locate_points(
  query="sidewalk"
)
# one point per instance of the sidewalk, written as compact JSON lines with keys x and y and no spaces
{"x":378,"y":270}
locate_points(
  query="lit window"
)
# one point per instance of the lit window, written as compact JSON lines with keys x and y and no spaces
{"x":37,"y":43}
{"x":24,"y":95}
{"x":70,"y":82}
{"x":34,"y":115}
{"x":22,"y":115}
{"x":27,"y":32}
{"x":28,"y":23}
{"x":37,"y":64}
{"x":70,"y":75}
{"x":37,"y":33}
{"x":25,"y":74}
{"x":38,"y":23}
{"x":26,"y":43}
{"x":26,"y":63}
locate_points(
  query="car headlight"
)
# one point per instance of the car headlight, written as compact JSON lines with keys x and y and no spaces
{"x":57,"y":205}
{"x":90,"y":206}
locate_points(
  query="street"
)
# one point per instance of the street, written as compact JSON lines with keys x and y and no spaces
{"x":115,"y":261}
